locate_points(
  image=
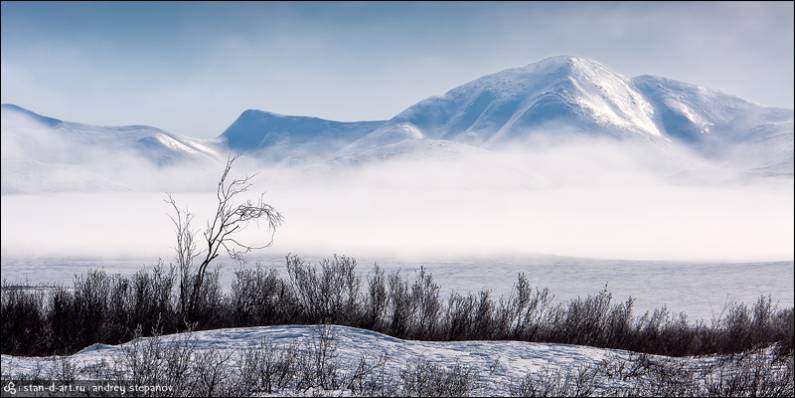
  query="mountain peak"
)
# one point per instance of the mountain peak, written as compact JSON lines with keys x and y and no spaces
{"x":255,"y":130}
{"x":513,"y":103}
{"x":561,"y":66}
{"x":570,"y":61}
{"x":251,"y":112}
{"x":546,"y":71}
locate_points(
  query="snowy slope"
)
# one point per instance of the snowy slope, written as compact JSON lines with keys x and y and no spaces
{"x":28,"y":133}
{"x":514,"y":103}
{"x":722,"y":126}
{"x":40,"y":153}
{"x":277,"y":136}
{"x":402,"y":141}
{"x":498,"y":363}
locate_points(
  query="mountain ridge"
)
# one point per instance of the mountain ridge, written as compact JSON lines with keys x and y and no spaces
{"x":559,"y":97}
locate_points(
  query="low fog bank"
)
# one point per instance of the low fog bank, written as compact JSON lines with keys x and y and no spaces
{"x":615,"y":222}
{"x":587,"y":199}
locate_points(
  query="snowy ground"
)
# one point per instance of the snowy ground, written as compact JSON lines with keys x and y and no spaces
{"x":499,"y":364}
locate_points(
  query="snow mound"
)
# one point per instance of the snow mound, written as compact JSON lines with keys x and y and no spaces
{"x":497,"y":365}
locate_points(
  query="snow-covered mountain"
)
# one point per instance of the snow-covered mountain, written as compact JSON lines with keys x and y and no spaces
{"x":558,"y":98}
{"x":721,"y":126}
{"x":565,"y":97}
{"x":43,"y":153}
{"x":31,"y":134}
{"x":561,"y":98}
{"x":513,"y":104}
{"x":272,"y":135}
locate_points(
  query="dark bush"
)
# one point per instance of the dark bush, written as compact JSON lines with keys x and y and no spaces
{"x":428,"y":379}
{"x":24,"y":325}
{"x":260,"y":297}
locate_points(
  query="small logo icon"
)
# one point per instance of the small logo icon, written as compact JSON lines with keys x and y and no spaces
{"x":10,"y":388}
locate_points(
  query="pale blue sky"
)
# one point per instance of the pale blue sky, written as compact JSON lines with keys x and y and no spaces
{"x":191,"y":68}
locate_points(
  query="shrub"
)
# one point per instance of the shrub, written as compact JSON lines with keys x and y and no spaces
{"x":109,"y":308}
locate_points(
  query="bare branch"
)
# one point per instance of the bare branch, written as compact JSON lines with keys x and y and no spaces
{"x":220,"y":232}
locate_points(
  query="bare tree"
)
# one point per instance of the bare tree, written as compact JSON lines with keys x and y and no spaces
{"x":220,"y":233}
{"x":186,"y":251}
